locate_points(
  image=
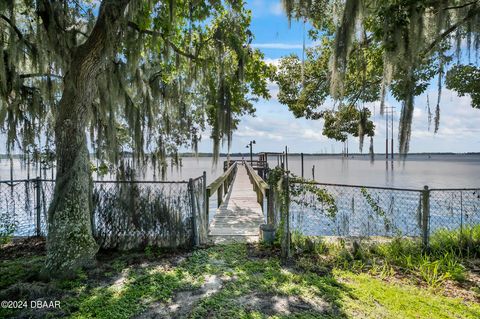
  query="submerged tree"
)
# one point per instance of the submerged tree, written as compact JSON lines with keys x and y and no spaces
{"x":138,"y":76}
{"x":408,"y":42}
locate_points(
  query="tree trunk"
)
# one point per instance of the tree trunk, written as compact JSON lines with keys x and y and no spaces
{"x":70,"y":243}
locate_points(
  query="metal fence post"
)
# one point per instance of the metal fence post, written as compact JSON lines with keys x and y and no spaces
{"x":425,"y":215}
{"x":286,"y":216}
{"x":38,"y":185}
{"x":461,"y":215}
{"x":194,"y":217}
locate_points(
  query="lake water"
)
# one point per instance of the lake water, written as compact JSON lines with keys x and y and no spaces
{"x":436,"y":171}
{"x":450,"y":209}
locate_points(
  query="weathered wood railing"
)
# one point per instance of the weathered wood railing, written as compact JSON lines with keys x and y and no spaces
{"x":262,"y":189}
{"x":221,"y":185}
{"x":256,"y":164}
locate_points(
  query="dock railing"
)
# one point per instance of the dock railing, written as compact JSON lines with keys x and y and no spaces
{"x":221,"y":185}
{"x":262,"y":189}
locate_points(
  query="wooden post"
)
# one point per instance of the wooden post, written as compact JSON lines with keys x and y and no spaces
{"x":313,"y":172}
{"x":286,"y":158}
{"x":425,"y":215}
{"x":38,"y":184}
{"x":260,"y":198}
{"x":220,"y":195}
{"x":270,"y":216}
{"x":194,"y":217}
{"x":301,"y":157}
{"x":205,"y":201}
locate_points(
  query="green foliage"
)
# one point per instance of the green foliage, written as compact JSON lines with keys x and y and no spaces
{"x":299,"y":188}
{"x":377,"y":209}
{"x":347,"y":120}
{"x":443,"y":260}
{"x":170,"y":69}
{"x":367,"y":48}
{"x":305,"y":86}
{"x":465,"y":79}
{"x":252,"y":286}
{"x":8,"y":225}
{"x":19,"y":270}
{"x":151,"y":216}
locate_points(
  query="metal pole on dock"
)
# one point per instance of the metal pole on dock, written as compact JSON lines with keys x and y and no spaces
{"x":251,"y":151}
{"x":391,"y":154}
{"x":386,"y":136}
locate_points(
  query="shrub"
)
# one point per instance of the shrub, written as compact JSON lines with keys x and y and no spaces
{"x":8,"y":225}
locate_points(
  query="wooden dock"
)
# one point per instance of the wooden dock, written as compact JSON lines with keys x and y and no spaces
{"x":240,"y":215}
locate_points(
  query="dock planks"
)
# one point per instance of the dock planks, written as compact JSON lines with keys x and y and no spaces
{"x":239,"y":217}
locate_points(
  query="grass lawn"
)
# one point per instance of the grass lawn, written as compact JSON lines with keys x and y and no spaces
{"x":229,"y":281}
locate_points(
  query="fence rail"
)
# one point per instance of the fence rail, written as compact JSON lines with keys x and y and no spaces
{"x":126,"y":214}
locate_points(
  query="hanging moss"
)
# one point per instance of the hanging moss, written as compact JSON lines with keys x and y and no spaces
{"x":418,"y":33}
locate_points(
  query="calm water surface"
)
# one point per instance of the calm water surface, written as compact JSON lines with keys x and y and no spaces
{"x":436,"y":171}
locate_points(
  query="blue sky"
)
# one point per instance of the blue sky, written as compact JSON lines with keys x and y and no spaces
{"x":274,"y":126}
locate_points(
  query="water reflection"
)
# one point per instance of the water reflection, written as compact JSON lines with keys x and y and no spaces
{"x":415,"y":172}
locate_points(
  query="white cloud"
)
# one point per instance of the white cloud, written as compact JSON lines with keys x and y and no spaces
{"x":253,"y":133}
{"x":274,"y":62}
{"x":417,"y":113}
{"x":276,"y":9}
{"x":273,"y":89}
{"x":275,"y":126}
{"x":262,"y":8}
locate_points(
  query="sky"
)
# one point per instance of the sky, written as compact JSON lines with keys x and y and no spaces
{"x":274,"y":127}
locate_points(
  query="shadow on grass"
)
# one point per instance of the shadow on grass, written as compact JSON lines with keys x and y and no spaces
{"x":225,"y":281}
{"x":134,"y":285}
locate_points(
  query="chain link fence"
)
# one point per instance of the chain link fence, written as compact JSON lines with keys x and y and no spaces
{"x":24,"y":205}
{"x":125,"y":214}
{"x":457,"y":209}
{"x":359,"y":211}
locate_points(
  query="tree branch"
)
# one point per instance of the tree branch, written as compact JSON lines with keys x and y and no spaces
{"x":34,"y":75}
{"x":461,"y":6}
{"x":137,"y":28}
{"x":471,"y":14}
{"x":19,"y":34}
{"x":48,"y":16}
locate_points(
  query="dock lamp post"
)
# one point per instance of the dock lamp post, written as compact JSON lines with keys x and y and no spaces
{"x":251,"y":151}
